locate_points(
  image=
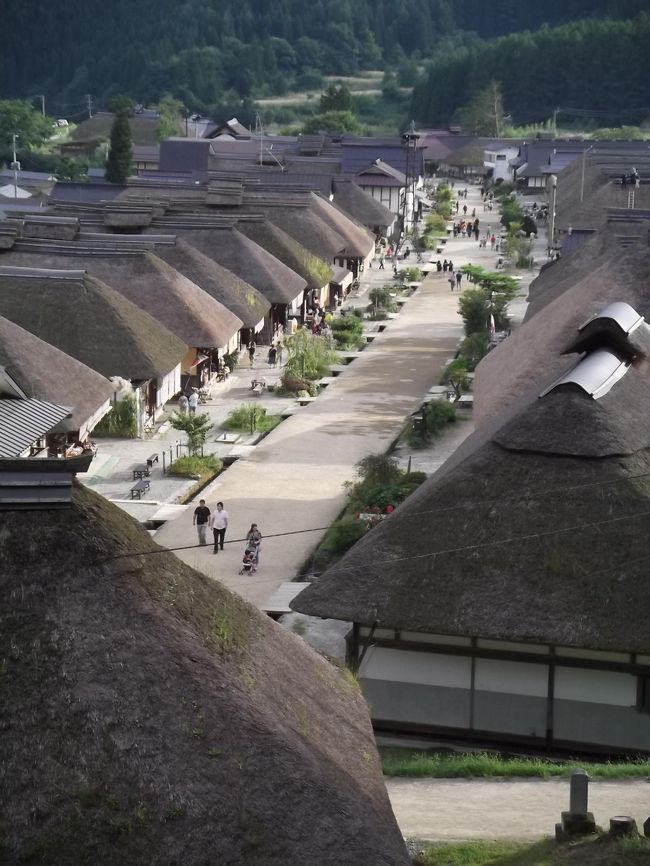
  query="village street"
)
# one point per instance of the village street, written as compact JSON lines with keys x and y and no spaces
{"x":292,"y":482}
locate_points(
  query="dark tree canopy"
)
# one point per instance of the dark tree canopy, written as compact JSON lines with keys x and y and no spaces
{"x":120,"y":154}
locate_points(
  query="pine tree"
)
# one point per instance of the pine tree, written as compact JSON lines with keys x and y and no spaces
{"x":120,"y":154}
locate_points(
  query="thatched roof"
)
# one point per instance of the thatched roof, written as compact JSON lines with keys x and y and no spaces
{"x":55,"y":227}
{"x":533,"y":352}
{"x":90,"y":321}
{"x":359,"y":242}
{"x":194,"y":316}
{"x":149,"y":715}
{"x":529,"y":532}
{"x":238,"y":296}
{"x":361,"y":206}
{"x":250,"y":262}
{"x":42,"y":371}
{"x":306,"y":227}
{"x":312,"y":269}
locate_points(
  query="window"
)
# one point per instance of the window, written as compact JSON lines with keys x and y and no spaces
{"x":643,"y":694}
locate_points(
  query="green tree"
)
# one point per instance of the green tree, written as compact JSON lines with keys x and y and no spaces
{"x":455,"y":374}
{"x":32,"y":129}
{"x":171,"y":111}
{"x":484,"y":114}
{"x":337,"y":97}
{"x":378,"y":469}
{"x":309,"y":356}
{"x":195,"y":427}
{"x":120,"y":154}
{"x":333,"y":121}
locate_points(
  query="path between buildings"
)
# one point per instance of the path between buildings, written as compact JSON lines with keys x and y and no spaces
{"x":293,"y":480}
{"x":444,"y":810}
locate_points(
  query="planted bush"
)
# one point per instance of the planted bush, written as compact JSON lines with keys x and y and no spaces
{"x":348,"y":332}
{"x":251,"y":418}
{"x":196,"y":467}
{"x":122,"y":420}
{"x":294,"y":385}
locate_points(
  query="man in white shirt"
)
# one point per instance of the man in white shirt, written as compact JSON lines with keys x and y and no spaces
{"x":218,"y":523}
{"x":193,"y":402}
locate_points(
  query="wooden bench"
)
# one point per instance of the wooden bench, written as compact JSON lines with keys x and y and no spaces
{"x":140,"y":471}
{"x":257,"y":390}
{"x":151,"y":459}
{"x":140,"y":487}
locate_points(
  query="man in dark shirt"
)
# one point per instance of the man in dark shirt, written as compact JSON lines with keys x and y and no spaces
{"x":201,"y":517}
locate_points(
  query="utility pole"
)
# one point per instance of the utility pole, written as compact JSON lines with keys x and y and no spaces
{"x":41,"y":96}
{"x":15,"y":164}
{"x":551,"y":228}
{"x":89,"y":104}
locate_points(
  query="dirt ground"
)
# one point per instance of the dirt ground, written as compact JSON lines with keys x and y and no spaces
{"x":447,"y":810}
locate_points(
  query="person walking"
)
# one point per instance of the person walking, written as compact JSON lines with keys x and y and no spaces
{"x":272,"y":359}
{"x":183,"y":404}
{"x":218,"y":523}
{"x":451,"y":279}
{"x":251,"y":351}
{"x":193,"y":402}
{"x":200,"y":520}
{"x":459,"y":277}
{"x":280,"y":353}
{"x":381,"y":263}
{"x":444,"y":265}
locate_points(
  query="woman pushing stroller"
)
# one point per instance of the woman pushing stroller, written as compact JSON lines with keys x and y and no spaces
{"x":252,"y":553}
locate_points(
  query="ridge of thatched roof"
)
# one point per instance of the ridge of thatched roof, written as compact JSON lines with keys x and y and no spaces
{"x":359,"y":242}
{"x":41,"y":370}
{"x":55,"y":227}
{"x":249,"y":261}
{"x":307,"y":227}
{"x":529,"y":545}
{"x":152,"y":716}
{"x":83,"y":317}
{"x":361,"y":206}
{"x":311,"y":268}
{"x":533,"y":353}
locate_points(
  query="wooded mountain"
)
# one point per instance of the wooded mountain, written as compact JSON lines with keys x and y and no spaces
{"x":593,"y":68}
{"x":213,"y":51}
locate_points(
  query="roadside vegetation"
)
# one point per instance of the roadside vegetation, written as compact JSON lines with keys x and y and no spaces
{"x":380,"y":487}
{"x":348,"y":331}
{"x":595,"y":851}
{"x":434,"y":418}
{"x":471,"y":765}
{"x":204,"y":468}
{"x":251,"y":418}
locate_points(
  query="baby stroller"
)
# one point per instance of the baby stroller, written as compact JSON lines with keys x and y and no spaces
{"x":249,"y":562}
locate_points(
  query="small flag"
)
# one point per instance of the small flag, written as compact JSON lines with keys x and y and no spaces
{"x":492,"y":325}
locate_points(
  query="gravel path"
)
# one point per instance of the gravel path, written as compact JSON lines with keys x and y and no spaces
{"x":455,"y":809}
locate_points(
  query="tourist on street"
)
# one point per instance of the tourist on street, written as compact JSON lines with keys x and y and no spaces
{"x":465,"y":209}
{"x":201,"y":517}
{"x":193,"y":402}
{"x":450,"y":266}
{"x":493,"y":241}
{"x":251,"y":351}
{"x":218,"y":523}
{"x":444,"y":266}
{"x":272,"y":359}
{"x":459,"y":277}
{"x":254,"y":538}
{"x":451,"y":279}
{"x":183,"y":404}
{"x":280,"y":352}
{"x":439,"y":266}
{"x":381,"y":263}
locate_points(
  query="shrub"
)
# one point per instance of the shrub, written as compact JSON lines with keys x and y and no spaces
{"x":435,"y":223}
{"x":231,"y":360}
{"x":348,"y":332}
{"x":191,"y":467}
{"x":122,"y":420}
{"x":249,"y":418}
{"x":294,"y":385}
{"x":436,"y":415}
{"x":339,"y":538}
{"x":412,"y":275}
{"x":309,"y":356}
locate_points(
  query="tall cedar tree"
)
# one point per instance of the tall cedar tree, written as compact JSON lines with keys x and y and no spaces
{"x":120,"y":155}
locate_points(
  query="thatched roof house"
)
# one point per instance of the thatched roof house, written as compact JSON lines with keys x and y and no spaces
{"x":149,"y":715}
{"x":506,"y":599}
{"x":596,"y":274}
{"x":40,"y":370}
{"x":83,"y":317}
{"x":360,"y":206}
{"x":194,"y":316}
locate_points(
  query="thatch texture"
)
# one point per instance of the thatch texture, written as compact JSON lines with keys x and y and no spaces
{"x":57,"y":228}
{"x":312,"y":269}
{"x":532,"y":355}
{"x":150,"y":716}
{"x":522,"y":535}
{"x":359,"y":242}
{"x":361,"y":206}
{"x":238,"y":296}
{"x":306,"y":227}
{"x":90,"y":321}
{"x":194,"y":316}
{"x":42,"y":371}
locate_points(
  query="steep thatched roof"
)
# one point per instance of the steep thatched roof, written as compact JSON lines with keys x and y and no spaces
{"x":90,"y":321}
{"x":312,"y":269}
{"x":359,"y":242}
{"x":301,"y":223}
{"x":361,"y":206}
{"x":250,"y":262}
{"x":531,"y":531}
{"x":149,"y":715}
{"x":244,"y":301}
{"x":194,"y":316}
{"x":56,"y":227}
{"x":42,"y":371}
{"x":533,"y":352}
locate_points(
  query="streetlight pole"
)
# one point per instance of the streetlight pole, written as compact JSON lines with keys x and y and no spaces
{"x":15,"y":164}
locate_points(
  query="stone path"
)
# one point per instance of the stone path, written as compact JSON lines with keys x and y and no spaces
{"x":455,"y":809}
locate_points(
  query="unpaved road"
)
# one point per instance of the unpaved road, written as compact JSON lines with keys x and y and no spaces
{"x":456,"y":809}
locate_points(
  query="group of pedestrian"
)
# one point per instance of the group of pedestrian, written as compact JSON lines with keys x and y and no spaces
{"x":454,"y":280}
{"x":188,"y":404}
{"x":445,"y":266}
{"x":467,"y":228}
{"x":217,"y":522}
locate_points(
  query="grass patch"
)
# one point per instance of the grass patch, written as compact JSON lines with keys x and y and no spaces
{"x":203,"y":468}
{"x":454,"y":765}
{"x":596,"y":851}
{"x":251,"y":418}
